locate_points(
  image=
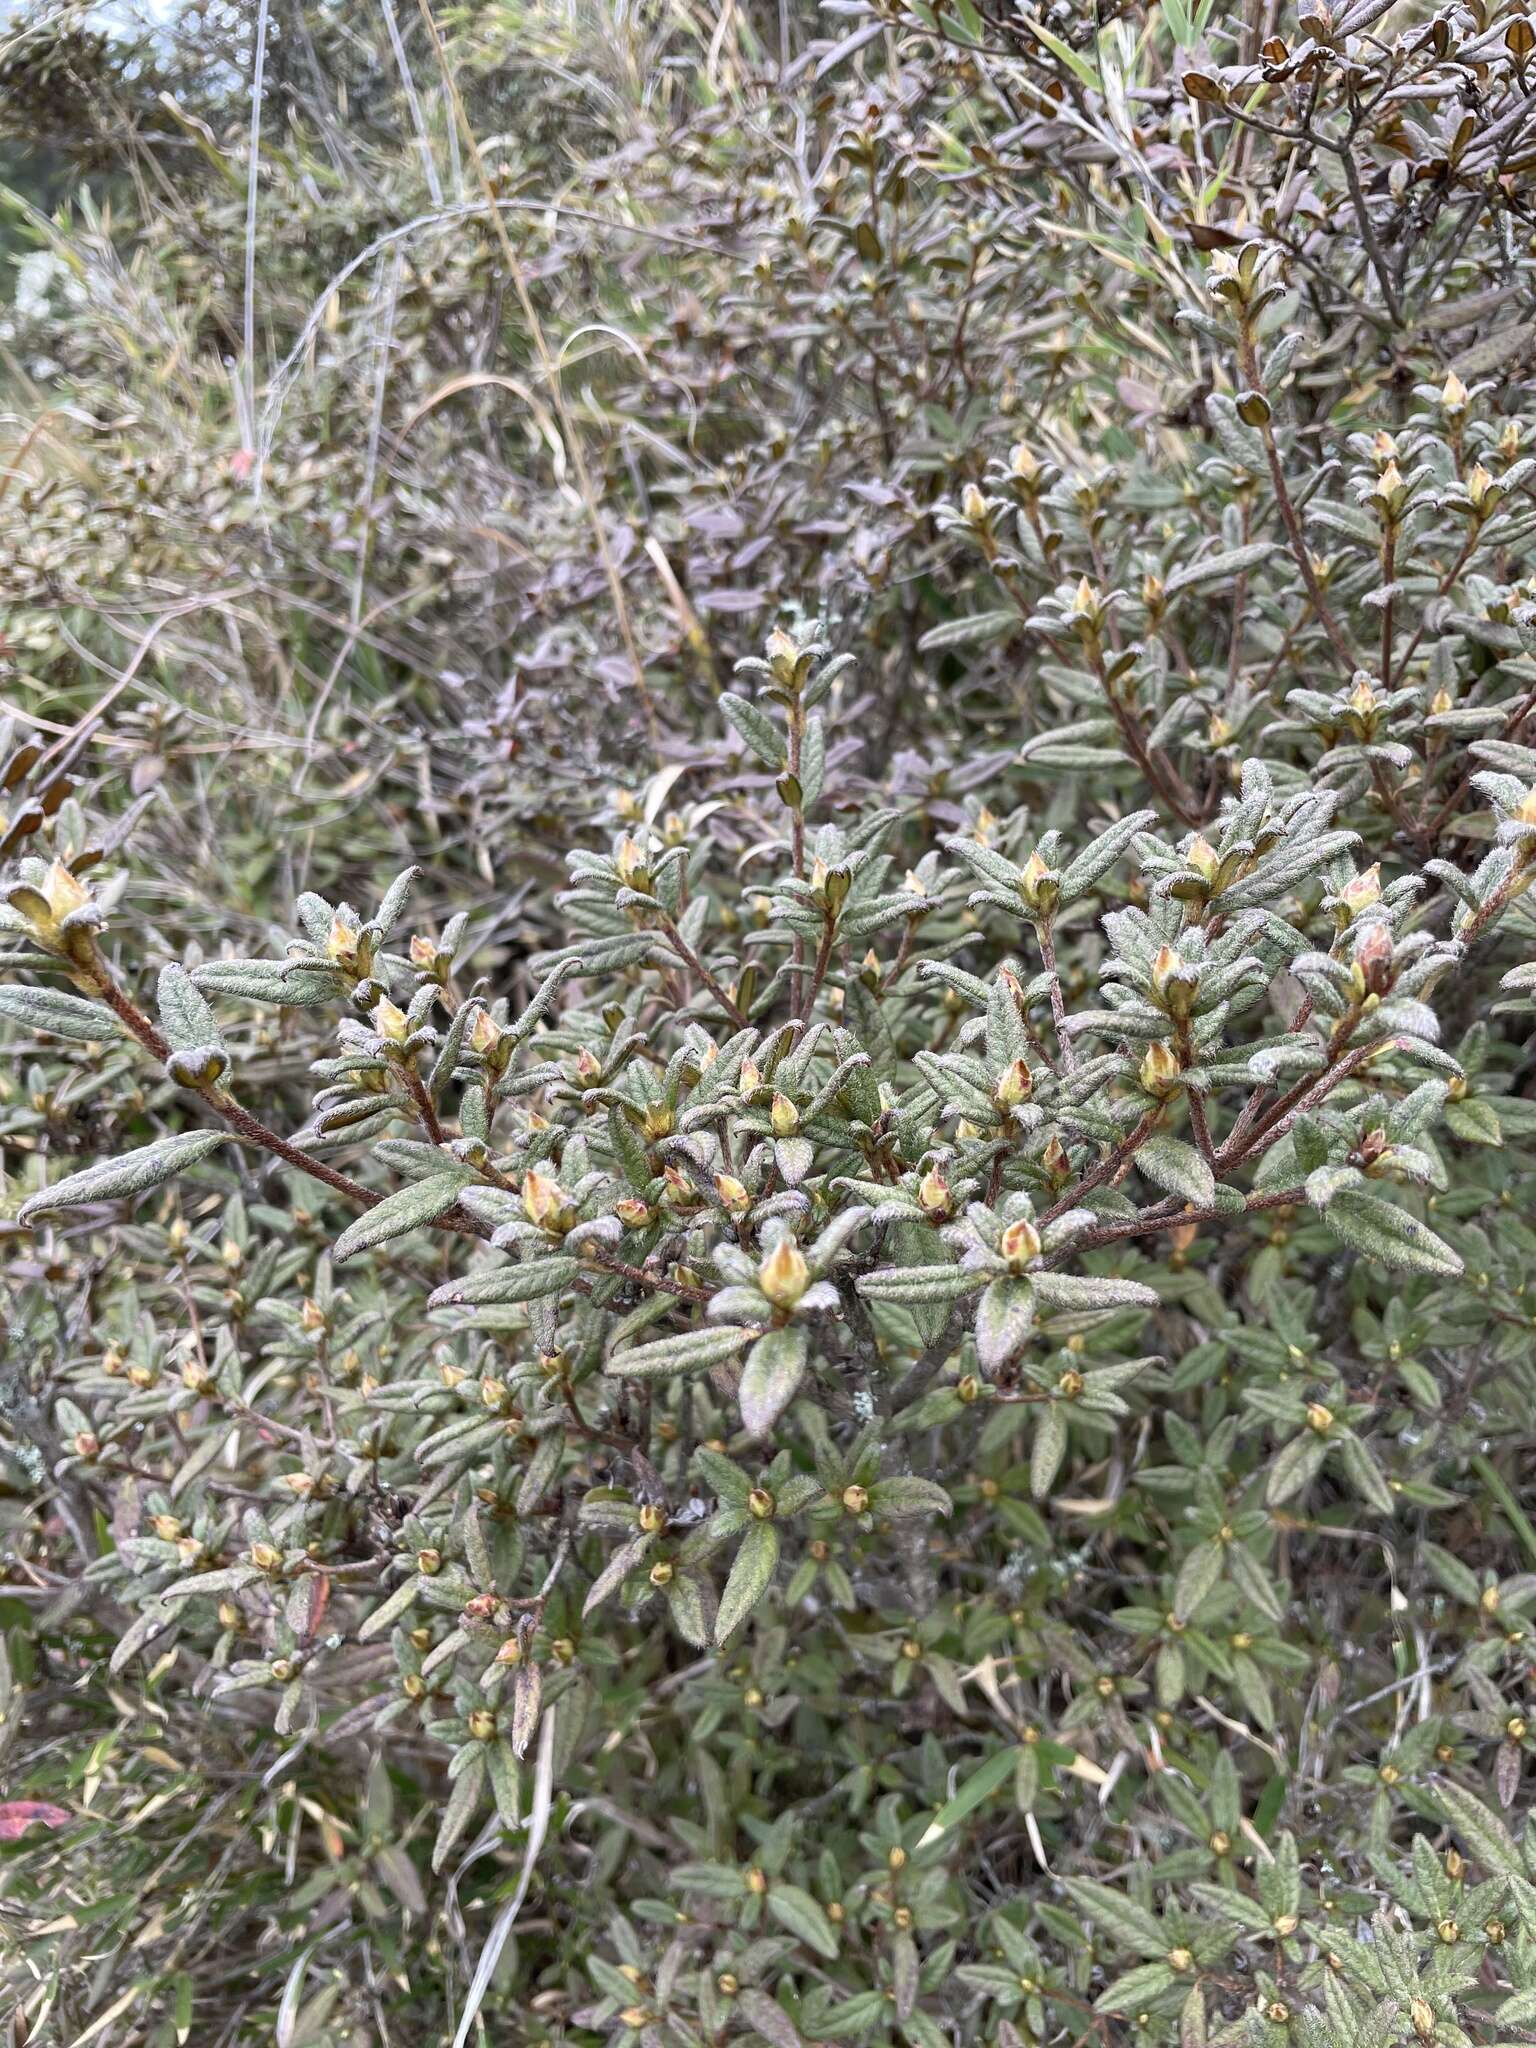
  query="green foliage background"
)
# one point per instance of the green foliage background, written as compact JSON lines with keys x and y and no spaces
{"x":769,"y":801}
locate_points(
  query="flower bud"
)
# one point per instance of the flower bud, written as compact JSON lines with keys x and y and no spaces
{"x":784,"y":1117}
{"x":1019,"y":1244}
{"x":1203,"y":858}
{"x":1175,"y":984}
{"x":545,"y":1202}
{"x":485,"y":1035}
{"x":784,"y":1276}
{"x":1055,"y":1159}
{"x":1039,"y":886}
{"x":388,"y":1020}
{"x":1160,"y":1071}
{"x":1016,"y":1086}
{"x":633,"y":866}
{"x":1373,"y":959}
{"x":1361,"y":892}
{"x":789,"y":664}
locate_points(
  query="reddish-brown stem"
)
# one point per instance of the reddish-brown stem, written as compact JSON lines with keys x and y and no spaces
{"x":1248,"y":364}
{"x":1047,"y":943}
{"x":423,"y":1101}
{"x":691,"y":960}
{"x":819,"y":972}
{"x":1109,"y":1166}
{"x":1199,"y":1126}
{"x":1178,"y":1219}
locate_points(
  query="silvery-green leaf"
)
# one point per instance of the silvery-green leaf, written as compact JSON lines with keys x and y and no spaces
{"x":132,"y":1174}
{"x":1048,"y":1449}
{"x":756,"y":728}
{"x":60,"y":1015}
{"x":770,"y":1378}
{"x":1177,"y":1167}
{"x":1090,"y":1290}
{"x":689,"y":1351}
{"x":751,"y":1575}
{"x":907,"y":1495}
{"x":1383,"y":1231}
{"x":524,"y":1281}
{"x":1004,"y":1317}
{"x":185,"y":1018}
{"x":408,"y":1208}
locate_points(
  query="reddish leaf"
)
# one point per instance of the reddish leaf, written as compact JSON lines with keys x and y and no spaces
{"x":20,"y":1814}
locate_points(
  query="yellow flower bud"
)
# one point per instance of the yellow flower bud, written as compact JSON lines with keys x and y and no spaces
{"x":1016,"y":1086}
{"x":1019,"y":1243}
{"x":545,"y":1202}
{"x":784,"y":1276}
{"x":1160,"y":1071}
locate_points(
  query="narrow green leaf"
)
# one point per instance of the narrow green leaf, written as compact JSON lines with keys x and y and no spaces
{"x":751,"y":1576}
{"x":799,"y":1912}
{"x":60,"y":1015}
{"x":1383,"y":1231}
{"x":771,"y":1377}
{"x":133,"y":1174}
{"x":1179,"y":1168}
{"x":408,"y":1208}
{"x":905,"y":1495}
{"x":689,"y":1351}
{"x":986,"y":1779}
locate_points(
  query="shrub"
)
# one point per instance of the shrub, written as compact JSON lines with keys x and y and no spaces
{"x":969,"y":1299}
{"x":903,"y":1416}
